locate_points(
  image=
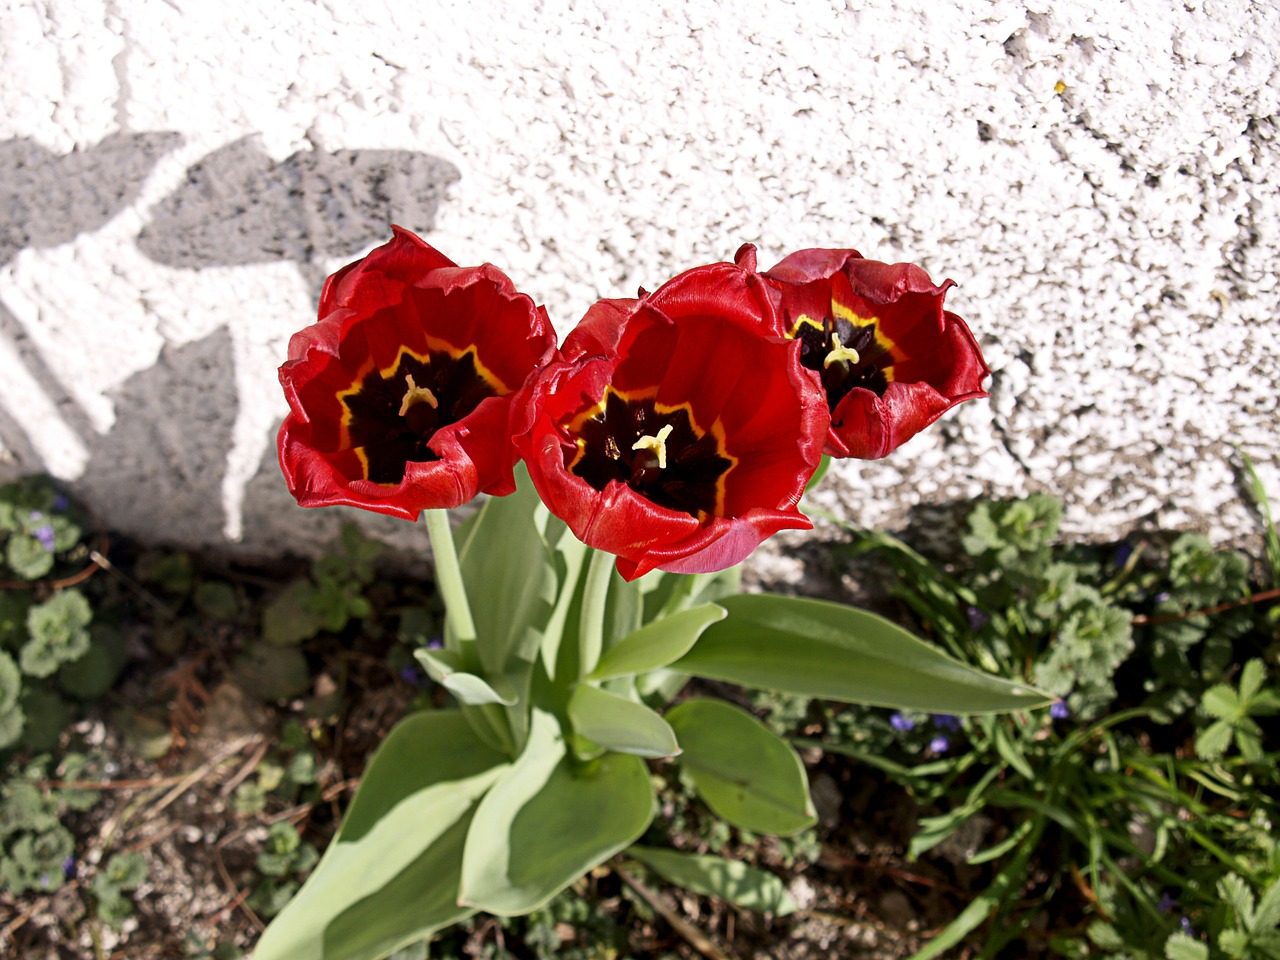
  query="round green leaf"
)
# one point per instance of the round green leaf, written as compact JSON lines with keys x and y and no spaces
{"x":11,"y":723}
{"x":747,"y":774}
{"x":95,"y":673}
{"x":27,"y":557}
{"x":10,"y":682}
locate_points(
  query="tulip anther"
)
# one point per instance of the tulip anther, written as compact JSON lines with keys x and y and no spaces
{"x":415,"y":394}
{"x":840,"y":353}
{"x":658,"y":444}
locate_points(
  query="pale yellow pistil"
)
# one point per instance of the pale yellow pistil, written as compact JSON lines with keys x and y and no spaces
{"x":840,"y":353}
{"x":657,"y":444}
{"x":416,"y":394}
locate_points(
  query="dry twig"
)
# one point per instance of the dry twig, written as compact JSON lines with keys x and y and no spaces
{"x":695,"y":937}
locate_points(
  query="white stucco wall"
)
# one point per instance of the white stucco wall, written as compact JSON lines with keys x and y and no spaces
{"x":176,"y":177}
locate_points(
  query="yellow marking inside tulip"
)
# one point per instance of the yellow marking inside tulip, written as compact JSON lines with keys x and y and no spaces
{"x":416,"y":394}
{"x":840,"y":312}
{"x":436,"y":345}
{"x":574,"y":427}
{"x":344,"y":425}
{"x":658,"y":444}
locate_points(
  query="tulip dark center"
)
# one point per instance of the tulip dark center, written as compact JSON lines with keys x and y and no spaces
{"x":658,"y":451}
{"x":845,"y":355}
{"x":391,"y":415}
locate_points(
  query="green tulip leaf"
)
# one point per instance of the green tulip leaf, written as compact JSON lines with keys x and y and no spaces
{"x":819,"y":649}
{"x":746,"y":773}
{"x":744,"y":886}
{"x":548,"y":820}
{"x":510,"y":577}
{"x":468,"y":688}
{"x":390,"y":875}
{"x":668,"y":593}
{"x":620,"y":724}
{"x":570,"y":554}
{"x":657,"y":644}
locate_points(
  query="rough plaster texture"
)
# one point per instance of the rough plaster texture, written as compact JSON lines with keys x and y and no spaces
{"x":177,"y":177}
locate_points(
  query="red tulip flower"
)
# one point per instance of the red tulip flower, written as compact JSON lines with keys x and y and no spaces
{"x":679,"y":431}
{"x":890,"y":359}
{"x":400,"y":395}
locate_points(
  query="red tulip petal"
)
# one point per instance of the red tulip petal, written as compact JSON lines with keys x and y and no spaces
{"x":877,"y":338}
{"x":700,"y":357}
{"x":400,"y":394}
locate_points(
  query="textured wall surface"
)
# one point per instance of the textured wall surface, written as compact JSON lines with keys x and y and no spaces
{"x":177,"y":177}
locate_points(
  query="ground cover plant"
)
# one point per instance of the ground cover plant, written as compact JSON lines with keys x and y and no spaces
{"x":1136,"y":816}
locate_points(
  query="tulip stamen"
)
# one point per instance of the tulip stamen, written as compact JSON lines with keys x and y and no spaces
{"x":840,"y":353}
{"x":657,"y":444}
{"x":416,"y":394}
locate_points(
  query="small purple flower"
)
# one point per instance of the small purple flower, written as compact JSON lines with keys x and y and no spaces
{"x":977,"y":619}
{"x":939,"y":745}
{"x":945,"y":721}
{"x":1059,"y":710}
{"x":60,"y":502}
{"x":1167,"y":902}
{"x":1162,"y":596}
{"x":411,"y":675}
{"x":1123,"y":552}
{"x":435,"y":643}
{"x":45,"y":536}
{"x":901,"y":723}
{"x":1187,"y":928}
{"x":69,"y":869}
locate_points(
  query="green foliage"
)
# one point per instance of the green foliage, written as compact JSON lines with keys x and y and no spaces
{"x":45,"y":638}
{"x":748,"y":775}
{"x":38,"y":529}
{"x":287,"y":773}
{"x":272,"y":673}
{"x":35,"y":845}
{"x":123,"y":873}
{"x":826,"y":649}
{"x":1234,"y":711}
{"x":59,"y":633}
{"x":11,"y":716}
{"x":217,"y":600}
{"x":734,"y":882}
{"x":330,"y":598}
{"x":96,"y":672}
{"x":1127,"y":821}
{"x":1093,"y":639}
{"x":172,"y":573}
{"x":283,"y":859}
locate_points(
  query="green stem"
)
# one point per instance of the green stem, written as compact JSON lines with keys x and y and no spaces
{"x":449,"y":575}
{"x":595,"y":593}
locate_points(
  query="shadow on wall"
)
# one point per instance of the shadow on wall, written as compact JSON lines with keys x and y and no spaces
{"x":152,"y":475}
{"x":48,"y":198}
{"x":240,"y":207}
{"x":149,"y":477}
